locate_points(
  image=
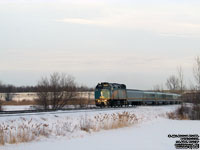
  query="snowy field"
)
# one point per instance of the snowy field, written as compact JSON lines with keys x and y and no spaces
{"x":149,"y":130}
{"x":31,"y":107}
{"x":17,"y":107}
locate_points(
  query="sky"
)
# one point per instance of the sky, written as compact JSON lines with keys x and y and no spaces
{"x":138,"y":43}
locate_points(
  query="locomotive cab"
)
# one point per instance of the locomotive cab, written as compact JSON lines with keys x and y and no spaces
{"x":110,"y":94}
{"x":102,"y":94}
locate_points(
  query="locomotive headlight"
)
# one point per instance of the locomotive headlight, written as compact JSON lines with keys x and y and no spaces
{"x":101,"y":100}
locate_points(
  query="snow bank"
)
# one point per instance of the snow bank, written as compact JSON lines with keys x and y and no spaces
{"x":68,"y":125}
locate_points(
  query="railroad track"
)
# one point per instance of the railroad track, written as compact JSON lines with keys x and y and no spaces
{"x":41,"y":112}
{"x":68,"y":110}
{"x":38,"y":111}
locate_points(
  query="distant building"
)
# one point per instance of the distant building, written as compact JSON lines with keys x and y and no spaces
{"x":31,"y":96}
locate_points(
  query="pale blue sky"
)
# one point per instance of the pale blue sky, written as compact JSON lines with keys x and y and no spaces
{"x":139,"y":43}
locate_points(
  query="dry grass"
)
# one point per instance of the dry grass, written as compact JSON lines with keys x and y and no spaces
{"x":175,"y":116}
{"x":191,"y":112}
{"x":108,"y":121}
{"x":179,"y":114}
{"x":24,"y":102}
{"x":26,"y":130}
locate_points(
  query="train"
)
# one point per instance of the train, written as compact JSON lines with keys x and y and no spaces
{"x":116,"y":95}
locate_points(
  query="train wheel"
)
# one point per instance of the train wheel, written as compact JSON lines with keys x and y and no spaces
{"x":102,"y":105}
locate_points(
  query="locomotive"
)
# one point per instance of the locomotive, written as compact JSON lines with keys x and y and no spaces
{"x":114,"y":94}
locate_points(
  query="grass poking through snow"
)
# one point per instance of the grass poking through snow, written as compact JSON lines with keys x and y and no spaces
{"x":26,"y":130}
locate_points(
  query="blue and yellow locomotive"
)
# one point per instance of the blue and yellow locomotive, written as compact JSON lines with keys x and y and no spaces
{"x":114,"y":94}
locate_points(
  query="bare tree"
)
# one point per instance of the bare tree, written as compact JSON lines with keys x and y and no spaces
{"x":9,"y":94}
{"x":194,"y":95}
{"x":1,"y":108}
{"x":158,"y":88}
{"x":55,"y":92}
{"x":1,"y":96}
{"x":7,"y":90}
{"x":196,"y":72}
{"x":180,"y":77}
{"x":172,"y":83}
{"x":43,"y":93}
{"x":1,"y":87}
{"x":83,"y":99}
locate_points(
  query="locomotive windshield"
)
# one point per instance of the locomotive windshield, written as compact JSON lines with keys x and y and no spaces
{"x":105,"y":93}
{"x":102,"y":91}
{"x":102,"y":94}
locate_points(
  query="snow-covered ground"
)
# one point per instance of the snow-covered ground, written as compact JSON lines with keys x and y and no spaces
{"x":17,"y":107}
{"x":149,"y":132}
{"x":32,"y":107}
{"x":151,"y":135}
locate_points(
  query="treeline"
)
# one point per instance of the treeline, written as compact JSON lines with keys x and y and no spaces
{"x":4,"y":88}
{"x":8,"y":88}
